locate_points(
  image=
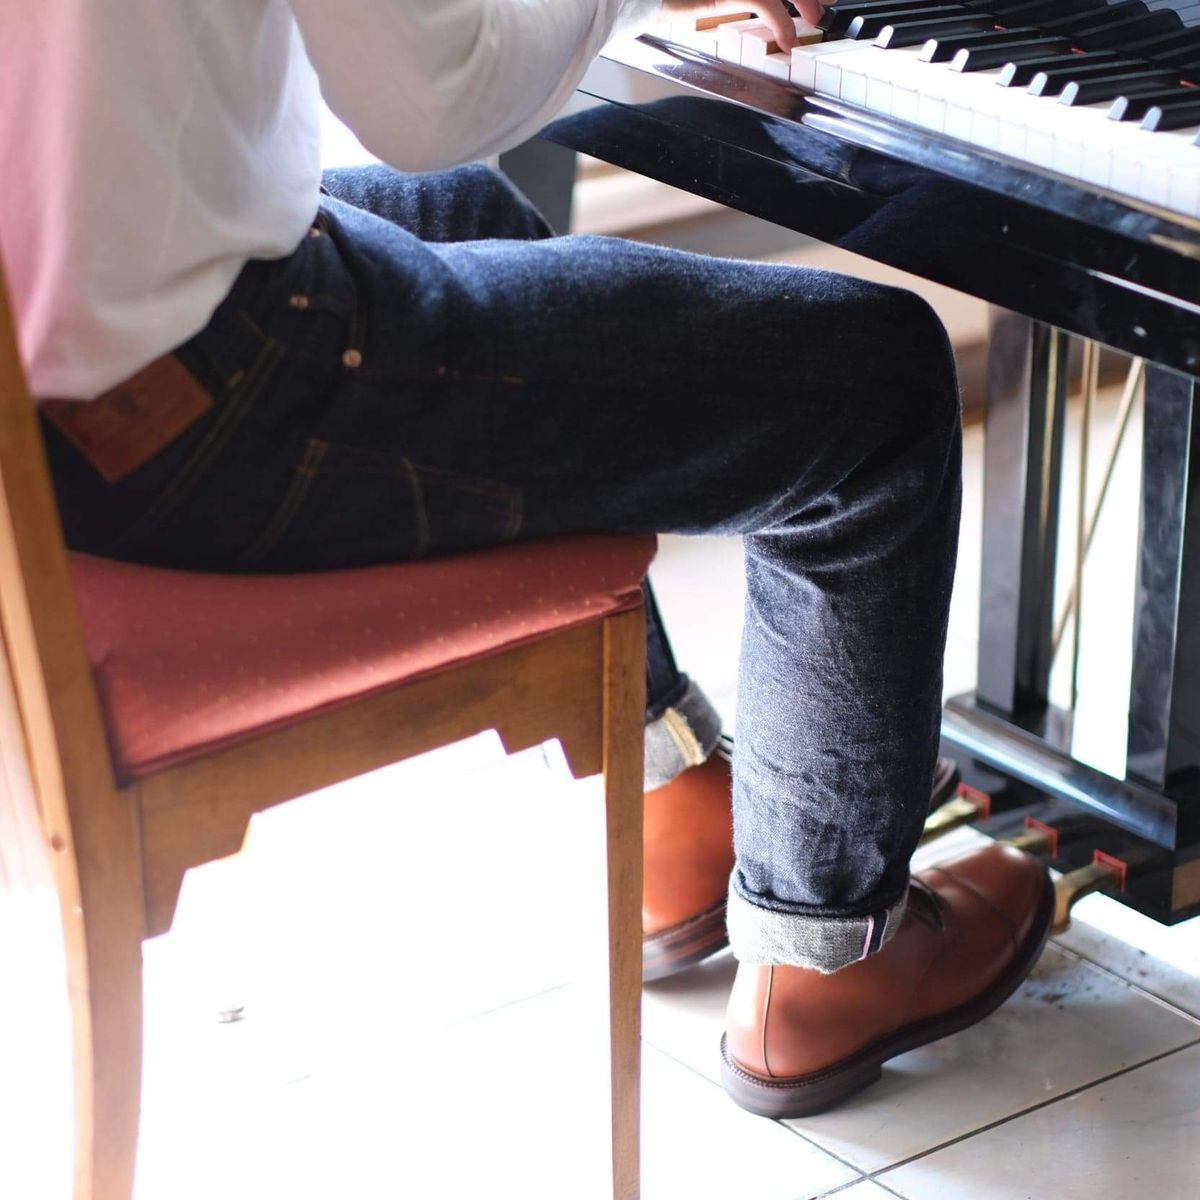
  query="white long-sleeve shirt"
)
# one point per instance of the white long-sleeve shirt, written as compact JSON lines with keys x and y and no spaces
{"x":149,"y":148}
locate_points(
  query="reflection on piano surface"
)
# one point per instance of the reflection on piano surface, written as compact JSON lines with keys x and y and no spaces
{"x":1106,"y":94}
{"x":1041,"y":155}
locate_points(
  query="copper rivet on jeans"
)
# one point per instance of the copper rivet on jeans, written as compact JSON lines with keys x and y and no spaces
{"x":352,"y":358}
{"x":298,"y":301}
{"x":314,"y":232}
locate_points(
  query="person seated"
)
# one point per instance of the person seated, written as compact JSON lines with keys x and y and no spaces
{"x":240,"y":371}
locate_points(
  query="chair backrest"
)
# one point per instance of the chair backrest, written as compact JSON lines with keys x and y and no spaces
{"x":63,"y":729}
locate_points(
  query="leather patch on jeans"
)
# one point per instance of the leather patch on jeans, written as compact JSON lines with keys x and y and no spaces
{"x":127,"y":426}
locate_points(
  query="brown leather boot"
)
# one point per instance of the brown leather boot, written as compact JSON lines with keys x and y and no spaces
{"x":688,"y":860}
{"x":689,"y":857}
{"x":798,"y":1042}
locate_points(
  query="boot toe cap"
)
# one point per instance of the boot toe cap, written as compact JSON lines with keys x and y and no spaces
{"x":1009,"y":881}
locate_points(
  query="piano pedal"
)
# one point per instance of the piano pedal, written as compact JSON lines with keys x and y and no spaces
{"x":1102,"y":872}
{"x":967,"y":807}
{"x":1037,"y":839}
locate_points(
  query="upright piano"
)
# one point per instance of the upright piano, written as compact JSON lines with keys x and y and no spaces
{"x":1042,"y":155}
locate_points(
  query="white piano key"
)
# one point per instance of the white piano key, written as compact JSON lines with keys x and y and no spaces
{"x":806,"y":60}
{"x":758,"y":42}
{"x":855,"y":69}
{"x":905,"y":101}
{"x":931,"y":112}
{"x":778,"y":65}
{"x":1142,"y":167}
{"x":1171,"y":152}
{"x":879,"y":94}
{"x":1184,"y":192}
{"x":1086,"y":141}
{"x":729,"y":38}
{"x":1077,"y":124}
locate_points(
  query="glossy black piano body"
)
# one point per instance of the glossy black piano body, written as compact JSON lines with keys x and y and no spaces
{"x":1057,"y":259}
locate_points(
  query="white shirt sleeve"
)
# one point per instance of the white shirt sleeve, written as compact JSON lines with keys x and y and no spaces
{"x":427,"y":84}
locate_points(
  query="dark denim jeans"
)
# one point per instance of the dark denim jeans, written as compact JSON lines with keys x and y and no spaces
{"x":398,"y":387}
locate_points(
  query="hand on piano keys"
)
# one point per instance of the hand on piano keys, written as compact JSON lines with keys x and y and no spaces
{"x":772,"y":16}
{"x":1104,"y":93}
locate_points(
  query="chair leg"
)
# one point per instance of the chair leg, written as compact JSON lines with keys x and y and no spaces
{"x":104,"y":954}
{"x":624,"y":720}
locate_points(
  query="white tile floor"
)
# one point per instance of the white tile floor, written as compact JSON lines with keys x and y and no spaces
{"x":408,"y":950}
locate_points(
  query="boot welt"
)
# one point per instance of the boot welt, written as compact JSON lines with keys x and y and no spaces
{"x":685,"y":944}
{"x":804,"y":1095}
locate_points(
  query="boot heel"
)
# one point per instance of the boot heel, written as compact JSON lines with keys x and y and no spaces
{"x":783,"y":1101}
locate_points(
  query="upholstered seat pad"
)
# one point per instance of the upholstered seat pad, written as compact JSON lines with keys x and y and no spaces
{"x":187,"y":662}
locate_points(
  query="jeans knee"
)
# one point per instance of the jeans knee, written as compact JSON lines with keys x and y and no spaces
{"x":509,"y":213}
{"x":920,"y":374}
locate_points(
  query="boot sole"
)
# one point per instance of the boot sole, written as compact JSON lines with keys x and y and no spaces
{"x":682,"y":946}
{"x":804,"y":1095}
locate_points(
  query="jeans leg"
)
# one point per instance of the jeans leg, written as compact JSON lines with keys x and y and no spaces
{"x":460,"y":205}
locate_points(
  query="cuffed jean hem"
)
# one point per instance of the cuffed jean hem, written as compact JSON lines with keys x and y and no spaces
{"x":684,"y":736}
{"x":825,"y":944}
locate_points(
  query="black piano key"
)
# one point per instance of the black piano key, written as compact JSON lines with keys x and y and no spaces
{"x":1019,"y":74}
{"x":1116,"y":33}
{"x":916,"y":33}
{"x":1185,"y":61}
{"x":1038,"y":11}
{"x":1052,"y":81}
{"x":837,"y":19}
{"x":986,"y":58}
{"x":1181,"y":39}
{"x":1094,"y":19}
{"x":1134,"y":108}
{"x":943,"y":49}
{"x":1093,"y":91}
{"x":864,"y":28}
{"x":1177,"y":116}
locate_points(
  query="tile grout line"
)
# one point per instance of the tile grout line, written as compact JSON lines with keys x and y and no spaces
{"x":858,"y":1171}
{"x":507,"y":1004}
{"x":842,"y":1187}
{"x":1067,"y":1095}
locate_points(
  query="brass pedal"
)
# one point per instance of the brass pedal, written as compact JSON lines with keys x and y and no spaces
{"x":966,"y":808}
{"x":1038,"y":838}
{"x":1102,"y":872}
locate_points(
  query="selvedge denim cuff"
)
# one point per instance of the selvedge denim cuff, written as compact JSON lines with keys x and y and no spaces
{"x":684,"y":736}
{"x":825,"y":944}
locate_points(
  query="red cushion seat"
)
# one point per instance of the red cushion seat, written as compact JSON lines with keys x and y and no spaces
{"x":187,"y":662}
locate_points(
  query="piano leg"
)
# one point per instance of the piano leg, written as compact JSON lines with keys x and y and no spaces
{"x":1164,"y":701}
{"x":1149,"y":822}
{"x":1022,"y":471}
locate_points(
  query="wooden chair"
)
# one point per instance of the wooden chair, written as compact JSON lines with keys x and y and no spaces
{"x":123,"y":771}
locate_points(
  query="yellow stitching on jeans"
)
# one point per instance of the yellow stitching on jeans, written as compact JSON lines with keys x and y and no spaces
{"x":516,"y":512}
{"x":302,"y":482}
{"x":421,"y":515}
